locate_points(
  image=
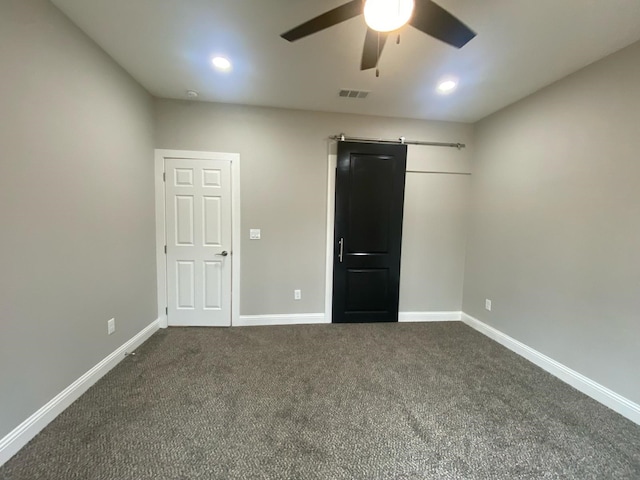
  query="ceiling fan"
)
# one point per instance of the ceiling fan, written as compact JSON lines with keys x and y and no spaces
{"x":385,"y":16}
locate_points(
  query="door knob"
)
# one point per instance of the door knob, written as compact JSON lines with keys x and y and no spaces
{"x":224,"y":253}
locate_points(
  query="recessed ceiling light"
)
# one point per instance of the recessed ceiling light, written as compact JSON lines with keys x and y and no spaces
{"x":221,"y":63}
{"x":447,"y":86}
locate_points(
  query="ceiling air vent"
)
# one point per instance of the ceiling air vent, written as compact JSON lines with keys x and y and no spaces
{"x":354,"y":93}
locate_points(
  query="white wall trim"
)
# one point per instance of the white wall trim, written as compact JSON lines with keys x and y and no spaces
{"x":331,"y":211}
{"x":284,"y":319}
{"x":20,"y":436}
{"x":161,"y":263}
{"x":611,"y":399}
{"x":308,"y":318}
{"x":236,"y":235}
{"x":404,"y":317}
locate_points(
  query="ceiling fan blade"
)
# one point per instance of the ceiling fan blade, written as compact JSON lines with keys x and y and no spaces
{"x":326,"y":20}
{"x":434,"y":20}
{"x":373,"y":45}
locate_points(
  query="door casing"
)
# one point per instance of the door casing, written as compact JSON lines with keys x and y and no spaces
{"x":161,"y":264}
{"x":332,"y":164}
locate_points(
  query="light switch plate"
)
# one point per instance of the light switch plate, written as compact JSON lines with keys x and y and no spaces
{"x":254,"y":234}
{"x":111,"y":326}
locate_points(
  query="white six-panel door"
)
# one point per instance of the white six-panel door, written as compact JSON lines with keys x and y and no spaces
{"x":198,"y":236}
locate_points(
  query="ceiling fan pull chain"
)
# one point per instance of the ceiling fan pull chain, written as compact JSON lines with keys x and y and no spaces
{"x":398,"y":40}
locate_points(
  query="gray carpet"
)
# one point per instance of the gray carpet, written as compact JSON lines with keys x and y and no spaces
{"x":369,"y":401}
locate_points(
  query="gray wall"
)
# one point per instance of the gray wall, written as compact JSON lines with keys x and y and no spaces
{"x":433,"y":242}
{"x":554,"y":237}
{"x":76,"y":207}
{"x":284,"y":192}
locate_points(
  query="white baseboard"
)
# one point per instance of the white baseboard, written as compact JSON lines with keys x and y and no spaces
{"x":429,"y":316}
{"x":611,"y":399}
{"x":309,"y":318}
{"x":284,"y":319}
{"x":20,"y":436}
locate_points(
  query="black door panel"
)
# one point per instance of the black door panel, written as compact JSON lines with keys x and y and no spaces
{"x":368,"y":232}
{"x":370,"y":185}
{"x":367,"y":290}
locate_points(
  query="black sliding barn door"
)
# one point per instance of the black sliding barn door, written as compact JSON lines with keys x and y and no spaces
{"x":368,"y":232}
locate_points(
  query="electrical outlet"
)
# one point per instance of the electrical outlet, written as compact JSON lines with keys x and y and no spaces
{"x":297,"y":294}
{"x":111,"y":326}
{"x":487,"y":304}
{"x":254,"y":234}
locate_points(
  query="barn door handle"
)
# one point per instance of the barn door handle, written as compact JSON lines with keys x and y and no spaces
{"x":341,"y":242}
{"x":223,"y":254}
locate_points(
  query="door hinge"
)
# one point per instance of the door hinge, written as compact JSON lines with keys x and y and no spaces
{"x":166,"y":310}
{"x":165,"y":249}
{"x":164,"y":176}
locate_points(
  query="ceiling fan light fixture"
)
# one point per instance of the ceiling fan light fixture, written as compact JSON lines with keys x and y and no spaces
{"x":387,"y":15}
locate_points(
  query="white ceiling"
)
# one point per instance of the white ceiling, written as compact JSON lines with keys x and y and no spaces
{"x":521,"y":46}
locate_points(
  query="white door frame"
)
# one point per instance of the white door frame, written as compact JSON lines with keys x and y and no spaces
{"x":161,"y":259}
{"x":331,"y":213}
